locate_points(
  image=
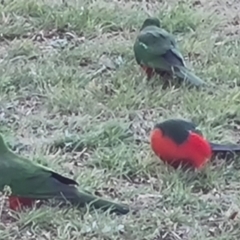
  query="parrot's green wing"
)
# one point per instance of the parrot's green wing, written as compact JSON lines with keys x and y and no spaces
{"x":33,"y":177}
{"x":157,"y":49}
{"x":29,"y":180}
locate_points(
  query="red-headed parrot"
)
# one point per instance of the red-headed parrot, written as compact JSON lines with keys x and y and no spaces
{"x":179,"y":142}
{"x":29,"y":182}
{"x":156,"y":51}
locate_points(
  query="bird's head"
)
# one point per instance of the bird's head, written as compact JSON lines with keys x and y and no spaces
{"x":151,"y":22}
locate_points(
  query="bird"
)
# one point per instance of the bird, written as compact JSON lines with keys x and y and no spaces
{"x":179,"y":142}
{"x":30,"y":181}
{"x":156,"y":51}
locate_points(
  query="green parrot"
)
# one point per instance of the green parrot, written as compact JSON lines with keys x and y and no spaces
{"x":156,"y":51}
{"x":29,"y":182}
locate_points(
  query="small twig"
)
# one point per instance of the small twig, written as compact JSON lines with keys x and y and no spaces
{"x":2,"y":205}
{"x":98,"y":72}
{"x":6,"y":193}
{"x":80,"y":153}
{"x":176,"y":235}
{"x":39,"y":37}
{"x":145,"y":8}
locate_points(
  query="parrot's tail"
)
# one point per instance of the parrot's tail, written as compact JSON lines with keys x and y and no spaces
{"x":223,"y":148}
{"x":188,"y":76}
{"x":64,"y":192}
{"x":100,"y":203}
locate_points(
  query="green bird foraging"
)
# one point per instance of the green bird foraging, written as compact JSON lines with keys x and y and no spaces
{"x":156,"y":51}
{"x":30,"y":182}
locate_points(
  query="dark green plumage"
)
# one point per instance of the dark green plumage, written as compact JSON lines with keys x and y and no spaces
{"x":29,"y":180}
{"x":177,"y":129}
{"x":157,"y":49}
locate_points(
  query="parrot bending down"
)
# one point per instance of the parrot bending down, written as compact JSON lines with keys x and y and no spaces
{"x":179,"y":142}
{"x":29,"y":182}
{"x":156,"y":51}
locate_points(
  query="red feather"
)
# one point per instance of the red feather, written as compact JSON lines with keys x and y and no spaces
{"x":17,"y":203}
{"x":195,"y":152}
{"x":149,"y":71}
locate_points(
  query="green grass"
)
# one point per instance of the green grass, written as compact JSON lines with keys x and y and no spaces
{"x":90,"y":90}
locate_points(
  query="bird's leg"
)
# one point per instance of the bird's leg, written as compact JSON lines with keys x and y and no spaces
{"x":163,"y":74}
{"x":165,"y":78}
{"x":149,"y":71}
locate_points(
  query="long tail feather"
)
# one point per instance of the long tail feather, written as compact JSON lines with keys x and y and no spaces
{"x":81,"y":198}
{"x":222,"y":148}
{"x":101,"y":203}
{"x":185,"y":74}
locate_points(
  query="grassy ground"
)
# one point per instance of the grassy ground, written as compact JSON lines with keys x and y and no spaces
{"x":87,"y":86}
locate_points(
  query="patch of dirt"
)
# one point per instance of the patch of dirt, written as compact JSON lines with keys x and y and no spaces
{"x":228,"y":12}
